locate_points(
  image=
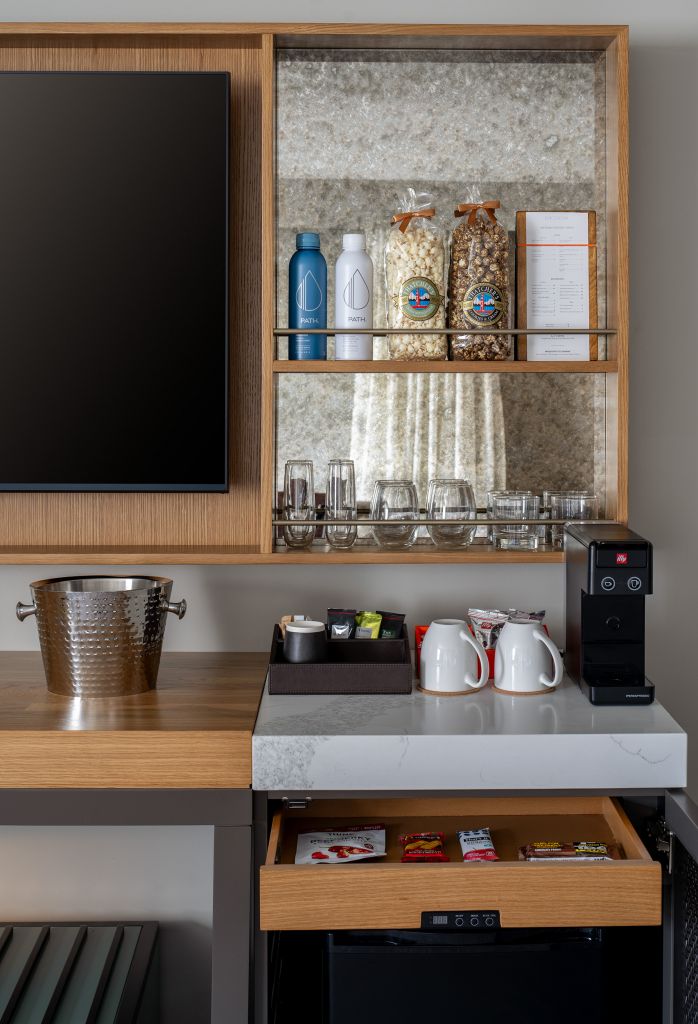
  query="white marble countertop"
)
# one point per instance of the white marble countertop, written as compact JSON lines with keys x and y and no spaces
{"x":484,"y":741}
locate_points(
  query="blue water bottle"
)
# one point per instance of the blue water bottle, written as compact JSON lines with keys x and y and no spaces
{"x":307,"y":297}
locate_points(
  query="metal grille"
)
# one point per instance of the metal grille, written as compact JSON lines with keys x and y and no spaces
{"x":686,"y":937}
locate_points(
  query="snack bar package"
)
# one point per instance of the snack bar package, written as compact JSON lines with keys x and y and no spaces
{"x":368,"y":625}
{"x":476,"y":844}
{"x":487,"y":625}
{"x":391,"y":625}
{"x":419,"y":633}
{"x":519,"y":616}
{"x":339,"y":846}
{"x":341,"y":623}
{"x":544,"y":851}
{"x":423,"y":846}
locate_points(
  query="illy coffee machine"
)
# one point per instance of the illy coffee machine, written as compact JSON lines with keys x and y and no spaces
{"x":609,"y":574}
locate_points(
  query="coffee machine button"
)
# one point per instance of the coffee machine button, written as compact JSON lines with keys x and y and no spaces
{"x":634,"y":583}
{"x":613,"y":622}
{"x":608,"y":583}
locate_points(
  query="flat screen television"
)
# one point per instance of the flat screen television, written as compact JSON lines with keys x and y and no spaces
{"x":114,"y":281}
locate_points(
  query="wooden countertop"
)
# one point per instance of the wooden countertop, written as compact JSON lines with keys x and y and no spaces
{"x":193,"y":732}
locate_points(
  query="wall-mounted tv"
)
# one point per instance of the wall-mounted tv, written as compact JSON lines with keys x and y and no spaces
{"x":114,"y":281}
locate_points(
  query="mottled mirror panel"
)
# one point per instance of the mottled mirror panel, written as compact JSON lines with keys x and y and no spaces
{"x":354,"y":128}
{"x":532,"y":431}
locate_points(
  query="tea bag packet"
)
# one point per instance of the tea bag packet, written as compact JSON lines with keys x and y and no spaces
{"x":415,"y":261}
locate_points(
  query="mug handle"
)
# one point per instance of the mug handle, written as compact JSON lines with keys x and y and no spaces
{"x":557,"y":660}
{"x":476,"y":684}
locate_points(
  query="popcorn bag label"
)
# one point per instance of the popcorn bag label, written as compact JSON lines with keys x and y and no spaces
{"x":419,"y":298}
{"x":339,"y":846}
{"x":483,"y":305}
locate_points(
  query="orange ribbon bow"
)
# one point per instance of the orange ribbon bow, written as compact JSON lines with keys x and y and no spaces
{"x":403,"y":219}
{"x":489,"y":207}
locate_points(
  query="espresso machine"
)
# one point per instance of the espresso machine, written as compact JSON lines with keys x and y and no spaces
{"x":608,"y":575}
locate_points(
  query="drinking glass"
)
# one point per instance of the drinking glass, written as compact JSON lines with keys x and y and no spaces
{"x":516,"y":505}
{"x":395,"y":499}
{"x":299,"y":503}
{"x":569,"y":505}
{"x":340,"y":502}
{"x":451,"y":499}
{"x":491,"y":495}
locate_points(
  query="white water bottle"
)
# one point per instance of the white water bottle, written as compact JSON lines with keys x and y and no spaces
{"x":353,"y":298}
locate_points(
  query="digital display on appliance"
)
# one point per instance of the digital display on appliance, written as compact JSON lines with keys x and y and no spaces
{"x":114,"y":281}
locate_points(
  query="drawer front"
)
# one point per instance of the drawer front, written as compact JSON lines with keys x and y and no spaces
{"x":388,"y":894}
{"x":393,"y":896}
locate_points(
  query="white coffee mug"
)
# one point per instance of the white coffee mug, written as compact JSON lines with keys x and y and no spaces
{"x":522,"y":655}
{"x":449,"y":660}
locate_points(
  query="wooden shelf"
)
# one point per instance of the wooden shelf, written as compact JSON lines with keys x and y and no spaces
{"x":420,"y":554}
{"x":319,"y":554}
{"x":438,"y":366}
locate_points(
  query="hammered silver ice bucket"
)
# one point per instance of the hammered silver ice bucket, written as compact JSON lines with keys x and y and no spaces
{"x":101,"y":636}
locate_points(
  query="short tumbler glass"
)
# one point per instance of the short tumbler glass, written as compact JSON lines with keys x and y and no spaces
{"x":395,"y":499}
{"x":340,"y":503}
{"x":516,"y":506}
{"x":449,"y":499}
{"x":571,"y":505}
{"x":299,"y":503}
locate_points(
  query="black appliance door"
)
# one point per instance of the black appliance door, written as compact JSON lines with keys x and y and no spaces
{"x":681,"y":933}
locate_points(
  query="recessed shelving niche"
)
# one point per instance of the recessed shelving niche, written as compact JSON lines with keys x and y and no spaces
{"x":533,"y":115}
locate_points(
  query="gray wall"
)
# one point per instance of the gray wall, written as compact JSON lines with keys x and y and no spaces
{"x":232,"y":608}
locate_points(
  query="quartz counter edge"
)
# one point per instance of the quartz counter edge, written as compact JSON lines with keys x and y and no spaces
{"x":486,"y":741}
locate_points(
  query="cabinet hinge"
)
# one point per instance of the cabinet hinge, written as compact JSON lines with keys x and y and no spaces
{"x":664,"y":842}
{"x":300,"y":803}
{"x":666,"y":845}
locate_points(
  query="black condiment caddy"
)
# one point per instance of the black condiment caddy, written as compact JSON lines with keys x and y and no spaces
{"x":351,"y":667}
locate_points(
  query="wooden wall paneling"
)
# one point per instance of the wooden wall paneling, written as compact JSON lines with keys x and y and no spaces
{"x":144,"y":520}
{"x":617,"y":275}
{"x":267,"y":341}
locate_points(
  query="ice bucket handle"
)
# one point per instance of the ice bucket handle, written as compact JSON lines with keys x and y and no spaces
{"x":25,"y":610}
{"x":178,"y":608}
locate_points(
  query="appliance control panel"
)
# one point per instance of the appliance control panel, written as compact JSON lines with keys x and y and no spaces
{"x":620,"y":569}
{"x":460,"y":920}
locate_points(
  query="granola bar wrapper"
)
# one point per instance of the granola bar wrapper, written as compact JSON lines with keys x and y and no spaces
{"x":581,"y":851}
{"x":476,"y":844}
{"x":340,"y":846}
{"x":426,"y":847}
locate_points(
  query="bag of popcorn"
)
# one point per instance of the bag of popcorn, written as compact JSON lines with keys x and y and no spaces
{"x":415,"y":265}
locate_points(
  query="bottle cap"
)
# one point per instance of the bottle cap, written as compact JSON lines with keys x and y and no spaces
{"x":307,"y":240}
{"x":355,"y":242}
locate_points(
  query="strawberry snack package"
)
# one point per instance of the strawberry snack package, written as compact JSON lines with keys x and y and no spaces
{"x":340,"y":846}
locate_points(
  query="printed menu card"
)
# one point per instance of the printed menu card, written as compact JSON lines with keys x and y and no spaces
{"x":556,"y":271}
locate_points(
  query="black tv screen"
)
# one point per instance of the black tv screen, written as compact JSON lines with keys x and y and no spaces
{"x":114,"y":281}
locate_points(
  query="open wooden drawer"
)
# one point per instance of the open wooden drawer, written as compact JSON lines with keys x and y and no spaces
{"x":388,"y":894}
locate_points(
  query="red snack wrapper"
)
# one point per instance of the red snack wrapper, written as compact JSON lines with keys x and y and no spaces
{"x":423,"y":846}
{"x":419,"y":633}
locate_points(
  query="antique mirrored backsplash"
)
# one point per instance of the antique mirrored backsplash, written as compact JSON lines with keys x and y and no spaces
{"x":354,"y":129}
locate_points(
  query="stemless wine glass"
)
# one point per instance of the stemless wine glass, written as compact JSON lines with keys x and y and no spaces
{"x":517,"y":537}
{"x":340,"y":502}
{"x":451,"y":499}
{"x":395,"y":499}
{"x":491,"y":495}
{"x":570,"y":505}
{"x":299,"y":503}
